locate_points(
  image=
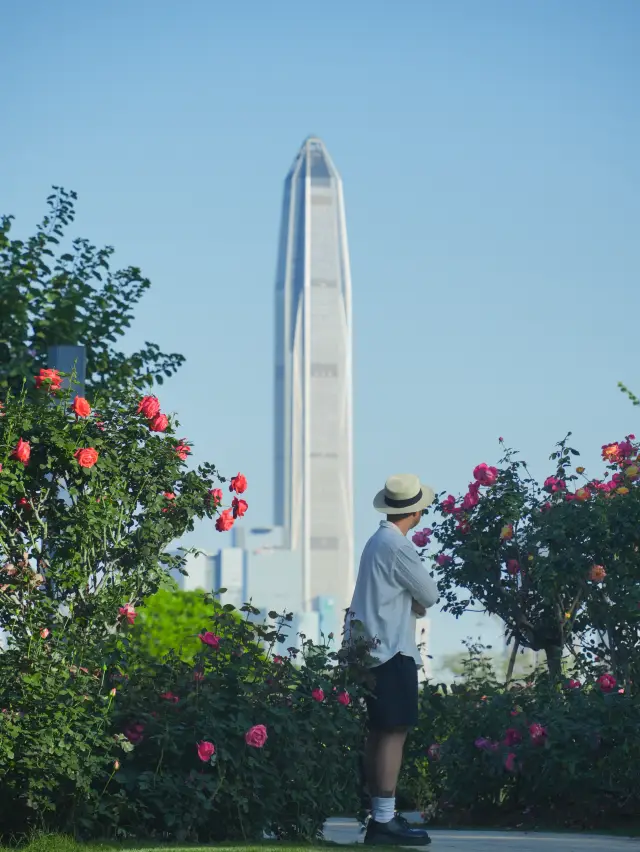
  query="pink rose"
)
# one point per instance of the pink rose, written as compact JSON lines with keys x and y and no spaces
{"x":214,"y":496}
{"x":512,"y":737}
{"x":256,"y":737}
{"x":607,"y":682}
{"x":210,"y":639}
{"x":128,"y":611}
{"x":469,"y":501}
{"x":513,"y":567}
{"x":44,"y":633}
{"x":421,"y":538}
{"x":159,"y":423}
{"x":206,"y":750}
{"x":553,"y":484}
{"x":134,"y":733}
{"x":537,"y":733}
{"x":169,"y":696}
{"x":484,"y":474}
{"x":448,"y":506}
{"x":183,"y":449}
{"x":224,"y":521}
{"x":317,"y":694}
{"x":149,"y":407}
{"x":198,"y":676}
{"x":510,"y":762}
{"x":442,"y":559}
{"x":344,"y":698}
{"x":573,"y":684}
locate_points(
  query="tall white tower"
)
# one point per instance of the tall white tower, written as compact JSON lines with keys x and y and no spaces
{"x":313,"y":379}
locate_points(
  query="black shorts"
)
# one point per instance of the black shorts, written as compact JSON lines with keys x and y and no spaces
{"x":394,"y":702}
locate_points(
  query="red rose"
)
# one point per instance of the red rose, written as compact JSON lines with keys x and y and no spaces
{"x":238,"y":483}
{"x":224,"y":521}
{"x":81,"y":407}
{"x":239,"y":507}
{"x":23,"y":503}
{"x":169,"y":696}
{"x":49,"y":378}
{"x":210,"y":639}
{"x":182,"y":449}
{"x":159,"y":423}
{"x":149,"y":406}
{"x":607,"y":682}
{"x":22,"y":451}
{"x":86,"y":457}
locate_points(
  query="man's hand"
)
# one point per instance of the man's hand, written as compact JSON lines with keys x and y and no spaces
{"x":417,"y":608}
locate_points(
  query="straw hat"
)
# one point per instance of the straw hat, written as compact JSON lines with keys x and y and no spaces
{"x":403,"y":493}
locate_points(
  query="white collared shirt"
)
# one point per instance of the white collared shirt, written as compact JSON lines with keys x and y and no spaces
{"x":390,"y":576}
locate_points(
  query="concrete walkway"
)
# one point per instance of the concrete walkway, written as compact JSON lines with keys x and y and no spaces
{"x":348,"y":831}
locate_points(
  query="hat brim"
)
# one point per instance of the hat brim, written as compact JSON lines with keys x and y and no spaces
{"x":428,"y":496}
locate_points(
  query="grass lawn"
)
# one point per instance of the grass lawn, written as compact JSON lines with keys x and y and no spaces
{"x":51,"y":843}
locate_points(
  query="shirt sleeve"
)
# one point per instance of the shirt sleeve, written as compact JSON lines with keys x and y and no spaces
{"x":411,"y":574}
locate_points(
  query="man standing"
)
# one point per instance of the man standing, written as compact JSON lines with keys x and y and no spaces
{"x":393,"y":589}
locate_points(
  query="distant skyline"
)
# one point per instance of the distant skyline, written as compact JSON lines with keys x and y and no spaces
{"x":490,"y":151}
{"x":313,"y":405}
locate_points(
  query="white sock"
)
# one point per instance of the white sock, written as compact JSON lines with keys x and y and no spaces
{"x":383,"y":810}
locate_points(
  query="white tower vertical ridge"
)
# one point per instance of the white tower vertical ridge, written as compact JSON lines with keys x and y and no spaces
{"x":313,"y":377}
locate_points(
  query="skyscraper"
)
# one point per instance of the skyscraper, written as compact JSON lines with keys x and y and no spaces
{"x":313,"y":379}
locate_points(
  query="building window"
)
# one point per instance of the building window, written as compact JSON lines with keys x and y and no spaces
{"x":325,"y":542}
{"x":324,"y":371}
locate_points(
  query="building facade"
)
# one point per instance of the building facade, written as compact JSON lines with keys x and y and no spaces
{"x":313,"y":381}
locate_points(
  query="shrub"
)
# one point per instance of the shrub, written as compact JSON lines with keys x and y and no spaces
{"x":540,"y":753}
{"x":236,"y":742}
{"x":88,"y":504}
{"x":559,"y":563}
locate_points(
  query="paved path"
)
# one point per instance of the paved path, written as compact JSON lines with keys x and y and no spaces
{"x":348,"y":831}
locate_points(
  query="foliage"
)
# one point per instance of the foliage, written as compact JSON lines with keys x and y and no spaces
{"x":633,"y":398}
{"x":51,"y":295}
{"x":84,"y":523}
{"x":539,"y":753}
{"x":305,"y":770}
{"x":170,"y":622}
{"x":558,"y":562}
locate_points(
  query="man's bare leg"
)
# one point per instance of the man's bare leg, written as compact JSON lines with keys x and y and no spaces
{"x":383,"y":759}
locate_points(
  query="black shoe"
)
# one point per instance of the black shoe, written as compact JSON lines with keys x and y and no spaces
{"x":395,"y":833}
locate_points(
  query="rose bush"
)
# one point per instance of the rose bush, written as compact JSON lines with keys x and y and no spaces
{"x":101,"y":733}
{"x":234,"y":741}
{"x":559,"y":563}
{"x":535,"y":754}
{"x":83,"y":539}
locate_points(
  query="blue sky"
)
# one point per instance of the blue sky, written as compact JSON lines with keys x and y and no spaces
{"x":490,"y":158}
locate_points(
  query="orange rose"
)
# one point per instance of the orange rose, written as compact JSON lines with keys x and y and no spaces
{"x":506,"y":533}
{"x":22,"y":451}
{"x":81,"y":407}
{"x":597,"y":573}
{"x":583,"y":494}
{"x":86,"y":457}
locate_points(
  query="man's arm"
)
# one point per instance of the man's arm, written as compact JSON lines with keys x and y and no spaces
{"x":414,"y":577}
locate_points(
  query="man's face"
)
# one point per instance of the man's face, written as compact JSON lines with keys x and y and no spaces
{"x":417,"y":517}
